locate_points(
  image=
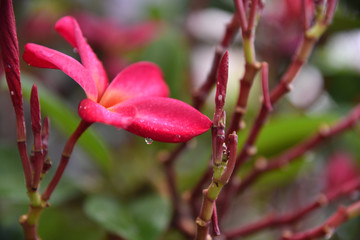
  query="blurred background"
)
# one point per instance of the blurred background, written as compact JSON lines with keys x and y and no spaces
{"x":114,"y":186}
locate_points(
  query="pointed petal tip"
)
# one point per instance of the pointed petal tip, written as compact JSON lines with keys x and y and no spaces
{"x":165,"y":119}
{"x":62,"y":25}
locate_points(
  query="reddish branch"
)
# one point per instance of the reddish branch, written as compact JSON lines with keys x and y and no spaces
{"x":251,"y":66}
{"x":211,"y":193}
{"x":265,"y":87}
{"x":200,"y":95}
{"x":69,"y":146}
{"x":300,"y":58}
{"x":324,"y":133}
{"x":273,"y":220}
{"x":302,"y":54}
{"x":247,"y":25}
{"x":38,"y":160}
{"x":223,"y":157}
{"x":328,"y":227}
{"x":10,"y":58}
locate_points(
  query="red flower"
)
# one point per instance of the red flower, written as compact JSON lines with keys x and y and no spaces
{"x":136,"y":100}
{"x":340,"y":170}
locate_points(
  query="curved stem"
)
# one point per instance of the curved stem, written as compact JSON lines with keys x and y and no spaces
{"x":65,"y":159}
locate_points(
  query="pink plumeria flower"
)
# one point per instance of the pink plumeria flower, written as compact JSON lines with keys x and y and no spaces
{"x":136,"y":100}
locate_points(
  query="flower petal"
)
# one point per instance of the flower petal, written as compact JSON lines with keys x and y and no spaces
{"x":140,"y":79}
{"x":43,"y":57}
{"x":69,"y":28}
{"x":91,"y":111}
{"x":164,"y":119}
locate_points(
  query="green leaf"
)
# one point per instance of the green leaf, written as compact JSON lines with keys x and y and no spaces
{"x":145,"y":218}
{"x":66,"y":120}
{"x":111,"y":215}
{"x":11,"y":173}
{"x":68,"y":222}
{"x":152,"y":215}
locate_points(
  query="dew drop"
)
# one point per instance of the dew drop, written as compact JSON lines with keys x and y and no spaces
{"x":330,"y":233}
{"x":178,"y":136}
{"x":8,"y":66}
{"x":220,"y":97}
{"x":12,"y":93}
{"x":148,"y":141}
{"x":84,"y":108}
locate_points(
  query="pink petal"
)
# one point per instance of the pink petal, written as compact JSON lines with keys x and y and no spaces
{"x":110,"y":35}
{"x":140,"y":79}
{"x":70,"y":30}
{"x":43,"y":57}
{"x":165,"y":119}
{"x":91,"y":111}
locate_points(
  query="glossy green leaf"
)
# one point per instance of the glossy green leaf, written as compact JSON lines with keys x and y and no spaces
{"x":66,"y":120}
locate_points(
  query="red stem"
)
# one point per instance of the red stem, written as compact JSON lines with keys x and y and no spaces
{"x":38,"y":160}
{"x":272,"y":220}
{"x":305,"y":15}
{"x":64,"y":159}
{"x":201,"y":94}
{"x":10,"y":59}
{"x":324,"y":133}
{"x":240,"y":9}
{"x":252,"y":15}
{"x":327,"y":228}
{"x":265,"y":87}
{"x":171,"y":181}
{"x":301,"y":56}
{"x":330,"y":10}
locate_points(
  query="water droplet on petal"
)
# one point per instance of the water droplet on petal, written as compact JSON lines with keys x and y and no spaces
{"x":12,"y":93}
{"x":330,"y":233}
{"x":178,"y":136}
{"x":84,"y":108}
{"x":148,"y":141}
{"x":220,"y":97}
{"x":8,"y":66}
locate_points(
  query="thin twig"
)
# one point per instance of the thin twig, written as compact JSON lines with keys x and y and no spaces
{"x":325,"y":133}
{"x":69,"y":146}
{"x":10,"y":58}
{"x":328,"y":227}
{"x":273,"y":220}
